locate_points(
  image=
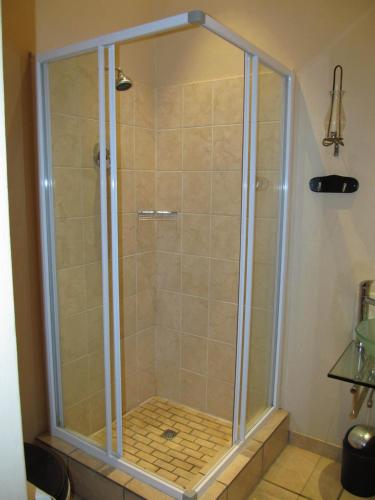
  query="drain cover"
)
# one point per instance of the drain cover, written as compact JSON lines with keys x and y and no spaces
{"x":169,"y":434}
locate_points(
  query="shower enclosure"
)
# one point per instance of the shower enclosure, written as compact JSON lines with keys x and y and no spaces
{"x":164,"y":152}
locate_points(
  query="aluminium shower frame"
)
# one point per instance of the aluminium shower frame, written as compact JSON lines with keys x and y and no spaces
{"x":105,"y":47}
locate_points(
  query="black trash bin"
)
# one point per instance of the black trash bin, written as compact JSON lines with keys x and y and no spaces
{"x":47,"y":471}
{"x":358,"y":461}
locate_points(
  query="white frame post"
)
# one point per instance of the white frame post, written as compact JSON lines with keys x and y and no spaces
{"x":106,"y":42}
{"x":114,"y":235}
{"x":104,"y":238}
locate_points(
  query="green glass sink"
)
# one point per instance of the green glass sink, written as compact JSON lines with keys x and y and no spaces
{"x":365,"y":332}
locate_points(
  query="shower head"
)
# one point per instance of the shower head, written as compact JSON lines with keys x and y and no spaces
{"x":122,"y":82}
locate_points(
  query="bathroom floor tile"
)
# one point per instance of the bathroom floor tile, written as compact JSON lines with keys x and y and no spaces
{"x":324,"y":483}
{"x":292,"y":469}
{"x":269,"y":491}
{"x":200,"y":440}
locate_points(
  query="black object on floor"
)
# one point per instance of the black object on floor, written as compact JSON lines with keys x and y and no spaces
{"x":358,"y":461}
{"x":47,"y":471}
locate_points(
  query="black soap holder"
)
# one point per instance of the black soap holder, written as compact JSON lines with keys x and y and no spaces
{"x":334,"y":184}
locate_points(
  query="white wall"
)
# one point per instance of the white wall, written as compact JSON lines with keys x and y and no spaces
{"x":12,"y":465}
{"x":332,"y":246}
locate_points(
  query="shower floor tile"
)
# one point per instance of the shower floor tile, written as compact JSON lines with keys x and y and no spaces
{"x":200,"y":440}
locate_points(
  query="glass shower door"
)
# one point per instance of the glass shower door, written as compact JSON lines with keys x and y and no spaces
{"x":83,"y":228}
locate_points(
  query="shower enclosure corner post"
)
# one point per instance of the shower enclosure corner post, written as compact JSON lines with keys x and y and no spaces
{"x":114,"y":246}
{"x":47,"y":233}
{"x":287,"y":161}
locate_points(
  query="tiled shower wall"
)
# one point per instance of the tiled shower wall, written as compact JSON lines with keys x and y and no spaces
{"x":199,"y":152}
{"x":179,"y":148}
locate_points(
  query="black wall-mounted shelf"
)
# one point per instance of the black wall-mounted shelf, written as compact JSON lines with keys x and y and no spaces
{"x":334,"y":184}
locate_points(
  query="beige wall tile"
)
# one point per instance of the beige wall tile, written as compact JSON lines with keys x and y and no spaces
{"x":169,"y":156}
{"x":220,"y":398}
{"x":93,"y":278}
{"x":73,"y":337}
{"x":226,"y":193}
{"x":71,"y":290}
{"x":126,"y":141}
{"x":224,"y":280}
{"x":66,"y":141}
{"x":168,"y":235}
{"x":193,"y":390}
{"x":144,"y":149}
{"x":194,"y":354}
{"x":145,"y":309}
{"x":90,"y":191}
{"x":77,"y":370}
{"x":127,"y":276}
{"x":168,"y":191}
{"x":129,"y":358}
{"x":146,"y":271}
{"x":194,"y":315}
{"x":168,"y":271}
{"x":146,"y":349}
{"x":126,"y":191}
{"x":128,"y":317}
{"x":169,"y":106}
{"x":63,"y":78}
{"x":221,"y":361}
{"x":197,"y":148}
{"x":195,"y":275}
{"x":89,"y":137}
{"x":96,"y":371}
{"x":126,"y":106}
{"x":145,"y":191}
{"x":169,"y":309}
{"x":225,"y":237}
{"x":227,"y":147}
{"x":196,"y":192}
{"x":69,"y":242}
{"x":228,"y":101}
{"x":145,"y":235}
{"x":68,"y":198}
{"x":77,"y":417}
{"x":197,"y":105}
{"x":146,"y":383}
{"x":95,"y":328}
{"x":270,"y":97}
{"x":127,"y":231}
{"x":223,"y":321}
{"x":97,"y":411}
{"x":92,"y":239}
{"x":196,"y":234}
{"x":144,"y":109}
{"x":269,"y":146}
{"x":87,"y":75}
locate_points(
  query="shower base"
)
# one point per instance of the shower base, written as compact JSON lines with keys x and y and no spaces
{"x":200,"y":440}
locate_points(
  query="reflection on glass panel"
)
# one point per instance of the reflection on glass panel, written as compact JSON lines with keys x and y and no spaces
{"x":267,"y":217}
{"x":74,"y":134}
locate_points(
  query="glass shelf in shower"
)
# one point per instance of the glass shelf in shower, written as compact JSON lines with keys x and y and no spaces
{"x":354,"y":366}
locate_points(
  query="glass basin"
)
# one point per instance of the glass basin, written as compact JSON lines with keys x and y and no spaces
{"x":365,"y":333}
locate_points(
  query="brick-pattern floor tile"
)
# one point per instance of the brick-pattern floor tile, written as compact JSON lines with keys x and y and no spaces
{"x":200,"y":441}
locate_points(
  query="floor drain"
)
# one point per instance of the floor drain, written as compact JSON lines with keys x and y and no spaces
{"x":169,"y":434}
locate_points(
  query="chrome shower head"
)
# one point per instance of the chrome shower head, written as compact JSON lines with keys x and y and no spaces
{"x":122,"y":82}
